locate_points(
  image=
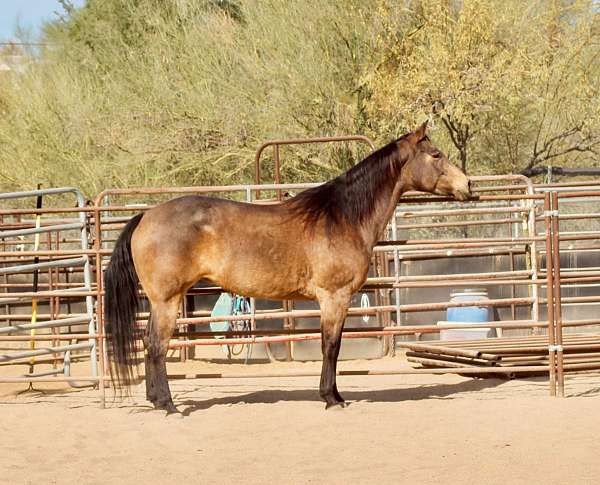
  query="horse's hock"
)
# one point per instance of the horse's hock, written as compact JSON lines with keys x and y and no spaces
{"x":544,"y":308}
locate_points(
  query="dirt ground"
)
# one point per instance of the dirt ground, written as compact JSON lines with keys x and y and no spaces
{"x":398,"y":429}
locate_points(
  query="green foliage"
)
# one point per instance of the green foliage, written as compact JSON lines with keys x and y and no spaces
{"x":148,"y":92}
{"x":513,"y":84}
{"x":182,"y":92}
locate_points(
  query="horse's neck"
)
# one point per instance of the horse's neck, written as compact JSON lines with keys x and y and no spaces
{"x":374,"y":226}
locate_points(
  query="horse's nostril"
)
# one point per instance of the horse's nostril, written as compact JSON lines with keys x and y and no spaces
{"x":469,"y":185}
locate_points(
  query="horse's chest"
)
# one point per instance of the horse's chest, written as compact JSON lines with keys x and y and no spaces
{"x":343,"y":268}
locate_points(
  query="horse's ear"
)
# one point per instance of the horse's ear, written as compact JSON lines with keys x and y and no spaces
{"x":421,"y":130}
{"x":417,"y":135}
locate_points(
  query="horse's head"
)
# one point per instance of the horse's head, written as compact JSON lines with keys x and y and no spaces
{"x":427,"y":169}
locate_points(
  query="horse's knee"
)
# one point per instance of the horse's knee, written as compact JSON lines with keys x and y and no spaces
{"x":156,"y":348}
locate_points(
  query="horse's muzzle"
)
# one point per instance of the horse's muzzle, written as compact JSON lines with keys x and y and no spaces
{"x":463,"y":195}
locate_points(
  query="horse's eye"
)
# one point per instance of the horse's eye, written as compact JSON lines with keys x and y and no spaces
{"x":436,"y":154}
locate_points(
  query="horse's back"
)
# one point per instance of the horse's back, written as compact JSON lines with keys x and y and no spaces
{"x":246,"y":248}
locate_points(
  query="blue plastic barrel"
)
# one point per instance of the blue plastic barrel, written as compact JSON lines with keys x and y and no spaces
{"x":474,"y":314}
{"x":467,"y":314}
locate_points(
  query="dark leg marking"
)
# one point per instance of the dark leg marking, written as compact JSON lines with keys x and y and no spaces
{"x":333,"y":313}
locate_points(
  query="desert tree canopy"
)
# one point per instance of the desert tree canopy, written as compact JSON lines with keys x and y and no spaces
{"x":182,"y":92}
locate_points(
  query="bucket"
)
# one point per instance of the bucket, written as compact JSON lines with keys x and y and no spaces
{"x":467,"y":315}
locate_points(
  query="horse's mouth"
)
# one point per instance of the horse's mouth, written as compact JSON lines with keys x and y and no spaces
{"x":463,"y":195}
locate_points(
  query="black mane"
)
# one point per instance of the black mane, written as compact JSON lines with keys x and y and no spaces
{"x":352,"y":196}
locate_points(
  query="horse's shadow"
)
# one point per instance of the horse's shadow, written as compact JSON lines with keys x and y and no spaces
{"x":434,"y":391}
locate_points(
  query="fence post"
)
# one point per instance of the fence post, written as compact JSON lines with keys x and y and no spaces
{"x":550,"y":294}
{"x":557,"y":295}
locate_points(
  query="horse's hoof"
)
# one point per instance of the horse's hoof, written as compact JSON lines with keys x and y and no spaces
{"x":336,"y":405}
{"x":174,"y":415}
{"x":171,"y":409}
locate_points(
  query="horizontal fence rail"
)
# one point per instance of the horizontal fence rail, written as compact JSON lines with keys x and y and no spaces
{"x":45,"y":252}
{"x":532,"y":248}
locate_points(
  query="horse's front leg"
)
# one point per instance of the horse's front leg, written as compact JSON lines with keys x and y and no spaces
{"x":334,"y":306}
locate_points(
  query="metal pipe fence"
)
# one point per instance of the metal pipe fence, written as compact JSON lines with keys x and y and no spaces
{"x":57,"y":253}
{"x":510,"y":241}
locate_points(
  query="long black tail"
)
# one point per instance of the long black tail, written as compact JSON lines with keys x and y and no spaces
{"x":120,"y":308}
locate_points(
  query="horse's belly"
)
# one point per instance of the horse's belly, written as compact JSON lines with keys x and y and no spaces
{"x":263,"y":282}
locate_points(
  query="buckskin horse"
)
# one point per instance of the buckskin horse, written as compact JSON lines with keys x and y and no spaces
{"x":314,"y":246}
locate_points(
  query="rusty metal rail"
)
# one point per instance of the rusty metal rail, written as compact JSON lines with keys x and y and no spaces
{"x":524,"y":234}
{"x":276,"y":144}
{"x":59,"y":253}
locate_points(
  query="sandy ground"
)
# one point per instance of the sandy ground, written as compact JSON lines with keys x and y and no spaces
{"x":398,"y":429}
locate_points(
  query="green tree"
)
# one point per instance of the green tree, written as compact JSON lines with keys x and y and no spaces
{"x":513,"y":84}
{"x":182,"y":92}
{"x":148,"y":92}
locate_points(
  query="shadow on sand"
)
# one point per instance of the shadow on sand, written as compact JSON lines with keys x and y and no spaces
{"x":434,"y":391}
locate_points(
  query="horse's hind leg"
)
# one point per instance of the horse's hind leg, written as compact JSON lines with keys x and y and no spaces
{"x":150,"y":378}
{"x":333,"y":312}
{"x":164,"y":315}
{"x":149,"y":363}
